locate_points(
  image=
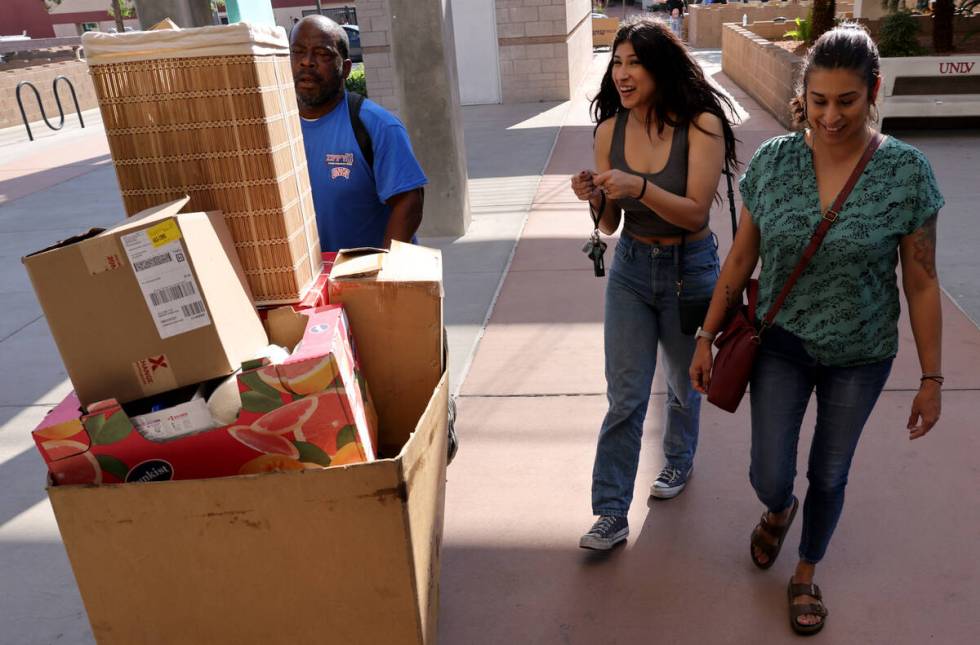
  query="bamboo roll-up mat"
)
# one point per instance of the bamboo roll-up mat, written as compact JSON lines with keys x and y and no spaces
{"x":225,"y":131}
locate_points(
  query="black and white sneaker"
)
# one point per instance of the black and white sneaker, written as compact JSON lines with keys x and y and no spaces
{"x":670,"y":482}
{"x":607,"y":532}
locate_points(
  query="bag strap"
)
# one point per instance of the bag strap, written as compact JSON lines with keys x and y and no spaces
{"x":731,"y":208}
{"x":354,"y":102}
{"x":825,"y":223}
{"x":731,"y":198}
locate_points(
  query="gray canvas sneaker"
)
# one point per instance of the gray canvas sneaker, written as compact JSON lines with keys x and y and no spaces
{"x":670,"y":482}
{"x":607,"y":532}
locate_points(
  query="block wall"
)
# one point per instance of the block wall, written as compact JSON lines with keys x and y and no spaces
{"x":42,"y":76}
{"x":766,"y":72}
{"x":705,"y":21}
{"x":545,"y":47}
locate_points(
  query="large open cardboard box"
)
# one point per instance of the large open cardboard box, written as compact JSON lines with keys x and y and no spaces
{"x":343,"y":555}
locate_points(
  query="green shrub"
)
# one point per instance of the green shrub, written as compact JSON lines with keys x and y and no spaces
{"x":899,"y":36}
{"x":803,"y":31}
{"x":357,"y":82}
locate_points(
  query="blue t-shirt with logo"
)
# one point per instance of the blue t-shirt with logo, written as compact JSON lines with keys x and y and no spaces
{"x":349,"y":195}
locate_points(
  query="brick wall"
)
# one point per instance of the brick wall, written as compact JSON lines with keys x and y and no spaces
{"x":545,"y":46}
{"x":766,"y":72}
{"x":42,"y":76}
{"x":705,"y":21}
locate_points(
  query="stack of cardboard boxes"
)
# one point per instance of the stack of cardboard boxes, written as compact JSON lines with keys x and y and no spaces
{"x":224,"y":479}
{"x":222,"y":473}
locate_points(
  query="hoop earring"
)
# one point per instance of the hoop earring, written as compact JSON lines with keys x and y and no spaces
{"x":873,"y":115}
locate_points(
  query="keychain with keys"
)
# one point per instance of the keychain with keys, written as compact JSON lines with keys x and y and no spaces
{"x":595,"y":248}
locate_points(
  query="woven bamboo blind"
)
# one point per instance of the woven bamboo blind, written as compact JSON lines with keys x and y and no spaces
{"x":225,"y":131}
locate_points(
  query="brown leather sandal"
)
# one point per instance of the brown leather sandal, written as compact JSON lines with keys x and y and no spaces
{"x":811,"y":609}
{"x":776,"y":533}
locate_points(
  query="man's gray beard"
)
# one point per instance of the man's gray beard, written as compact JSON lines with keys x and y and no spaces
{"x":325,"y":96}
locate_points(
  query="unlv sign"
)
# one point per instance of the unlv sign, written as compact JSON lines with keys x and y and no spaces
{"x":963,"y":67}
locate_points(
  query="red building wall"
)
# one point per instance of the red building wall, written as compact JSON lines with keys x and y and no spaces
{"x":30,"y":15}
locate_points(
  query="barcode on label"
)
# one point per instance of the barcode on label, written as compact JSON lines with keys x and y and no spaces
{"x":154,"y":261}
{"x":193,"y":309}
{"x":175,"y":292}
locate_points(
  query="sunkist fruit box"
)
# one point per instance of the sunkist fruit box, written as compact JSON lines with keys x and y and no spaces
{"x":310,"y":411}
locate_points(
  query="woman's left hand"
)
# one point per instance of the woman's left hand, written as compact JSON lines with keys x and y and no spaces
{"x":617,"y":184}
{"x":925,"y":409}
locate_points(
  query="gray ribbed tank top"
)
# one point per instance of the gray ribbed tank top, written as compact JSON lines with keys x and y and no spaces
{"x":640,"y":220}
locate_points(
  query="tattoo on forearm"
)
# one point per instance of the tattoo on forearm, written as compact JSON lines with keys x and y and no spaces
{"x":924,"y":246}
{"x":729,"y":297}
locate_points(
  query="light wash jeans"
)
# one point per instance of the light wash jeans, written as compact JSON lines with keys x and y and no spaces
{"x":642,"y":316}
{"x":783,"y":378}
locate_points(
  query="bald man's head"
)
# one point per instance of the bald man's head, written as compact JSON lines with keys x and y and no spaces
{"x":326,"y":27}
{"x":318,"y":53}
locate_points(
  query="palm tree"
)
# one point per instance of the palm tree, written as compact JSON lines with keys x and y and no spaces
{"x":823,"y":17}
{"x":942,"y":26}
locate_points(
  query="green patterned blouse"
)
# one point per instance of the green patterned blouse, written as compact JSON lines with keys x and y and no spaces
{"x":845,"y":305}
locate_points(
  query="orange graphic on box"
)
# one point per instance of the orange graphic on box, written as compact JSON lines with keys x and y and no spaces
{"x":311,"y":411}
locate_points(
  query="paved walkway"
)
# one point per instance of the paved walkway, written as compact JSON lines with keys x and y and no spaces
{"x":901,"y":568}
{"x":531,"y":397}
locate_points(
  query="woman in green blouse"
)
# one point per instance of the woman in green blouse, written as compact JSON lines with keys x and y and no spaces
{"x":837,"y":331}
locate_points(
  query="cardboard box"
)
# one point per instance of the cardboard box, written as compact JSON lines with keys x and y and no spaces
{"x":394,"y":302}
{"x":307,"y":412}
{"x":155,"y":303}
{"x":604,"y":31}
{"x":340,"y":555}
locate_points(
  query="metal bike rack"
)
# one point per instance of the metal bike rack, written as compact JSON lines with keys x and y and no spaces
{"x":40,"y":104}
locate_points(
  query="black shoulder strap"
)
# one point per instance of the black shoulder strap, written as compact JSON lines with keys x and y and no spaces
{"x":354,"y":102}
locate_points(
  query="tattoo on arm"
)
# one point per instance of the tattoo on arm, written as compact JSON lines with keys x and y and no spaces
{"x":924,"y":246}
{"x":730,"y":297}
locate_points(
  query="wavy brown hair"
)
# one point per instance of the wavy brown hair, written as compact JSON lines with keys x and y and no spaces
{"x":680,"y":87}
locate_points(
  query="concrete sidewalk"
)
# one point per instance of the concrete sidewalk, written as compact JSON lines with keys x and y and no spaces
{"x":531,"y":398}
{"x":901,"y":567}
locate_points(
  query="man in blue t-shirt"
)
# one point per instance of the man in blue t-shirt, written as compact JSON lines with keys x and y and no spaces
{"x":356,"y":204}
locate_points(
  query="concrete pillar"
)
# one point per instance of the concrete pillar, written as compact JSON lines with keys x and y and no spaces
{"x":423,"y":61}
{"x":186,"y":13}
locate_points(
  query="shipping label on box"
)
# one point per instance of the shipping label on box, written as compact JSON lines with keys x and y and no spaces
{"x":161,"y":266}
{"x":311,"y":411}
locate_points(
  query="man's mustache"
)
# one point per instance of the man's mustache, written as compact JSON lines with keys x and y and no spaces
{"x":309,"y":76}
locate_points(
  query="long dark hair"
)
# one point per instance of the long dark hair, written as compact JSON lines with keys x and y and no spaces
{"x":847,"y":46}
{"x":680,"y":88}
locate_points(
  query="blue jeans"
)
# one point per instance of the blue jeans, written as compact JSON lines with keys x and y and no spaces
{"x":782,"y":380}
{"x":642,"y":314}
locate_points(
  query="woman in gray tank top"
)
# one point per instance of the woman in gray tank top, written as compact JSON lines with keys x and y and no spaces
{"x":661,"y":141}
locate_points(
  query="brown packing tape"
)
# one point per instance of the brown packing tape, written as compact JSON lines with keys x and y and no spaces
{"x":101,"y":254}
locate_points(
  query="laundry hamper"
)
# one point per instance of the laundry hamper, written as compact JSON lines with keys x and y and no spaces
{"x":211,"y":113}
